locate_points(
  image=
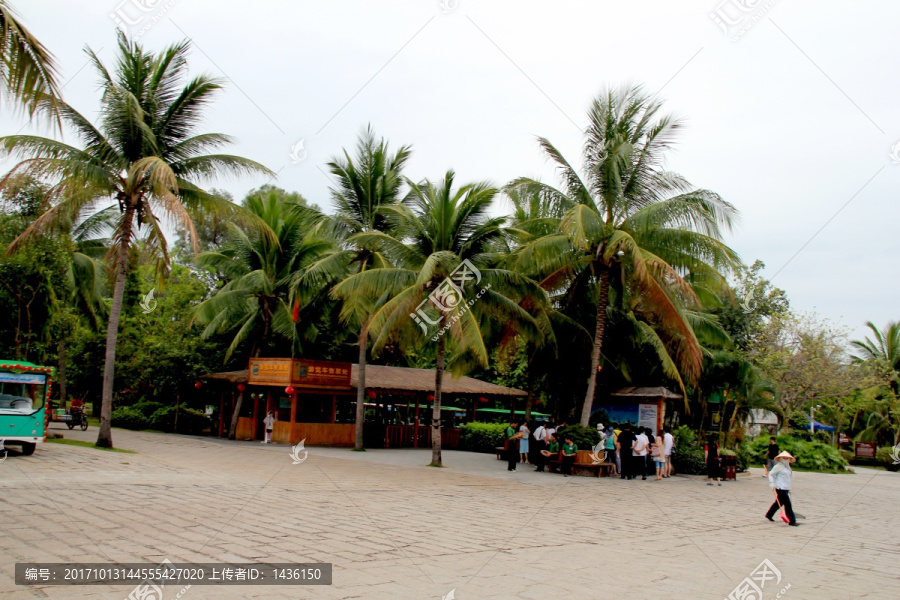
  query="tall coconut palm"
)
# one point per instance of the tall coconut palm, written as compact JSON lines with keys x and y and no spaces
{"x":365,"y":184}
{"x":145,"y":156}
{"x":28,"y":71}
{"x":883,"y":353}
{"x":259,"y":269}
{"x":444,"y":226}
{"x":883,"y":349}
{"x":631,"y":223}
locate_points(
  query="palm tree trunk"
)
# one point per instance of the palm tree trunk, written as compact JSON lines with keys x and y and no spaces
{"x":361,"y":386}
{"x":529,"y":400}
{"x":436,"y":412}
{"x":232,"y":429}
{"x":104,"y":439}
{"x":598,"y":344}
{"x":62,"y":372}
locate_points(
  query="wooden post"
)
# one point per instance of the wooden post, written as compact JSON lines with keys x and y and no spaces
{"x":255,"y":416}
{"x":293,"y":409}
{"x":221,"y":412}
{"x":416,"y":431}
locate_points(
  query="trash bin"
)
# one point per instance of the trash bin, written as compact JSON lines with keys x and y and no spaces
{"x":729,"y":463}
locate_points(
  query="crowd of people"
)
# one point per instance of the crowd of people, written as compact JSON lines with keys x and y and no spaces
{"x":629,"y":452}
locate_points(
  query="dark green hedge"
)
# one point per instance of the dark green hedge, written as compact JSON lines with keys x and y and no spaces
{"x":190,"y":421}
{"x":481,"y":437}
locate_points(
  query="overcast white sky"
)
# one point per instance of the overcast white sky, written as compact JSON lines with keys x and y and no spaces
{"x":793,"y":121}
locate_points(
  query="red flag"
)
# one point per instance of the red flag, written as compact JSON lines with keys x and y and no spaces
{"x":296,"y":310}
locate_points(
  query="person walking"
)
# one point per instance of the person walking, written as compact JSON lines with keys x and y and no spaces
{"x":669,"y":445}
{"x":659,"y":454}
{"x":780,"y":480}
{"x":625,"y":441}
{"x":774,"y":450}
{"x":610,"y":442}
{"x":540,"y":444}
{"x":512,"y":445}
{"x":569,"y":452}
{"x":641,"y":447}
{"x":523,"y":442}
{"x":711,"y":455}
{"x":269,"y":422}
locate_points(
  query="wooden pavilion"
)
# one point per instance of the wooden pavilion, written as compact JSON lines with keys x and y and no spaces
{"x":316,"y":401}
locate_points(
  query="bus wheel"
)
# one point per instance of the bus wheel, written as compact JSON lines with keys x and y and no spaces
{"x":28,"y":449}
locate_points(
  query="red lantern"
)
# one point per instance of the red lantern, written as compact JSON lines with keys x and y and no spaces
{"x":289,"y":390}
{"x":430,"y":397}
{"x":371,"y":394}
{"x":198,"y":385}
{"x":241,"y":387}
{"x":483,"y":400}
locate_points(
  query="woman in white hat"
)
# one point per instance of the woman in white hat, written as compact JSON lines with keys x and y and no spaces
{"x":780,"y":481}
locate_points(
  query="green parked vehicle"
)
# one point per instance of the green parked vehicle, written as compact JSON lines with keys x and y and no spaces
{"x":24,"y":390}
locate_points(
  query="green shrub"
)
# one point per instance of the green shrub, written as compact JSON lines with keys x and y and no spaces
{"x":583,"y":437}
{"x":884,"y":456}
{"x":810,"y":455}
{"x":129,"y":418}
{"x":482,"y":437}
{"x":147,"y":408}
{"x":190,"y":421}
{"x":688,"y":459}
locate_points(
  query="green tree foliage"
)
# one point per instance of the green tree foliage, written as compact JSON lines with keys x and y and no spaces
{"x":632,"y":235}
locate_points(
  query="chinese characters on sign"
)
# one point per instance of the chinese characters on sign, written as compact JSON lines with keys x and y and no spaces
{"x":300,"y":373}
{"x":272,"y":371}
{"x":321,"y":374}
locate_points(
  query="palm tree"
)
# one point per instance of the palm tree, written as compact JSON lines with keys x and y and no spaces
{"x":365,"y":185}
{"x":884,"y":349}
{"x":260,"y":268}
{"x":28,"y":71}
{"x":629,"y":223}
{"x":451,"y":240}
{"x":144,"y":156}
{"x":883,"y":353}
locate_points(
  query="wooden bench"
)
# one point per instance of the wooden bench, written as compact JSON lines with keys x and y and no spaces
{"x":584,"y":463}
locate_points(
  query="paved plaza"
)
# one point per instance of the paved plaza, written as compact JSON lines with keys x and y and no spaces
{"x":395,"y":529}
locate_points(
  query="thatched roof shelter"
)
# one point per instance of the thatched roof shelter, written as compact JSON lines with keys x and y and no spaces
{"x":645,"y":393}
{"x":402,"y":379}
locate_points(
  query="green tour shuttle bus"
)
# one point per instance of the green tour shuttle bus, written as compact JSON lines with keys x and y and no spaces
{"x":24,"y":390}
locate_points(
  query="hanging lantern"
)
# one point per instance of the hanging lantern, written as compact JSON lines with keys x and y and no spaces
{"x":483,"y":400}
{"x":431,"y":397}
{"x":198,"y":385}
{"x":289,"y":390}
{"x":371,"y":394}
{"x":241,"y":387}
{"x":295,"y":316}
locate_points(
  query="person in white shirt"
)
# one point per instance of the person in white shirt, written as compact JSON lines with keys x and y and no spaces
{"x":669,"y":446}
{"x":641,"y":447}
{"x":780,"y":482}
{"x":269,"y":422}
{"x":541,"y":436}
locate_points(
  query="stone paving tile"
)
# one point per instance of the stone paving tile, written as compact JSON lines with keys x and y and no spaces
{"x":396,"y":529}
